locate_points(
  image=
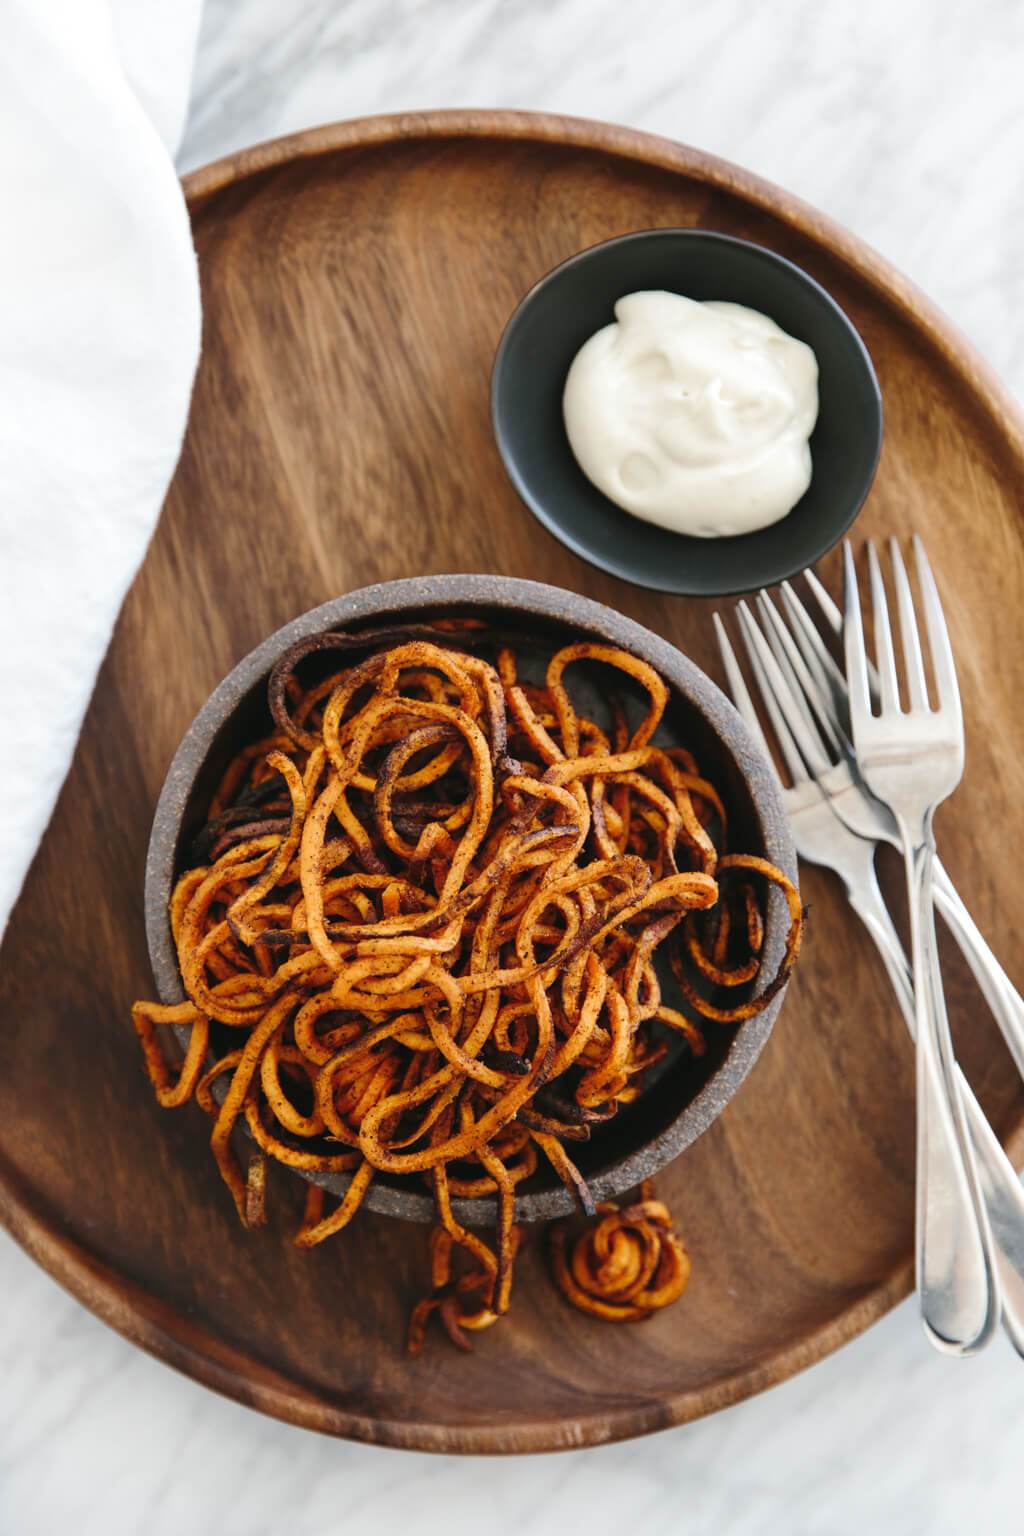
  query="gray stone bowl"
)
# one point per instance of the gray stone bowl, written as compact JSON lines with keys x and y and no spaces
{"x":689,"y":1093}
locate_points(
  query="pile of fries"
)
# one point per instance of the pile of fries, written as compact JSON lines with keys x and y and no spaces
{"x":427,"y":909}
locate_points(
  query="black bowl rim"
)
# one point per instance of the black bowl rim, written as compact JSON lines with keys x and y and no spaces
{"x":535,"y":599}
{"x":772,"y":575}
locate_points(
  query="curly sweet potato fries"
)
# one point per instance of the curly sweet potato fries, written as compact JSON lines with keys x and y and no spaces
{"x":420,"y":931}
{"x":628,"y":1263}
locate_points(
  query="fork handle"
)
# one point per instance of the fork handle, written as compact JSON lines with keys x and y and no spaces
{"x":998,"y":990}
{"x":955,"y":1268}
{"x":1001,"y":1188}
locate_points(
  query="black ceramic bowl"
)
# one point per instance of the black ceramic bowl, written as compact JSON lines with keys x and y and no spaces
{"x":679,"y":1104}
{"x":568,"y":305}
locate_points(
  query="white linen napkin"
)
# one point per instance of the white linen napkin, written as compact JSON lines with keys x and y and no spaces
{"x":99,"y":338}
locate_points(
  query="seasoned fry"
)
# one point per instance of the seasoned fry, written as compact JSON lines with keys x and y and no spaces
{"x":754,"y":932}
{"x":460,"y":1302}
{"x":420,"y":940}
{"x":627,"y":1264}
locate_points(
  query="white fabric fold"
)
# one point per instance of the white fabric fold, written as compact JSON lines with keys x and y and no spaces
{"x":99,"y":339}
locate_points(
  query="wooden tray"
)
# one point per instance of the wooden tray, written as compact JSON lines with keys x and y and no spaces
{"x":355,"y":283}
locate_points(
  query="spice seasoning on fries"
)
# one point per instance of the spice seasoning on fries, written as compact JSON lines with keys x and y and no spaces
{"x":627,"y":1264}
{"x":419,"y":939}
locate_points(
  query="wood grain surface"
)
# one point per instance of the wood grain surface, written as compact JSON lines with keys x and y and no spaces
{"x":355,"y":283}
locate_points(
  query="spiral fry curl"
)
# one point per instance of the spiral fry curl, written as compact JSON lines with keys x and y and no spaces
{"x":626,"y":1265}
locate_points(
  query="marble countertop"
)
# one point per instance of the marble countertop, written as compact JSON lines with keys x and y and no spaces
{"x":905,"y":121}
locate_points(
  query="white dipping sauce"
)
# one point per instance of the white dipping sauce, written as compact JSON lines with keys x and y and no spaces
{"x":694,"y":416}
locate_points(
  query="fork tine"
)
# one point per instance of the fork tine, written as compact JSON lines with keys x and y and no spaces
{"x":943,"y":665}
{"x":885,"y":656}
{"x":917,"y":685}
{"x":828,"y":692}
{"x":853,"y":646}
{"x":829,"y":609}
{"x":762,"y":661}
{"x":815,"y":652}
{"x":834,"y":621}
{"x":794,"y":670}
{"x":738,"y":688}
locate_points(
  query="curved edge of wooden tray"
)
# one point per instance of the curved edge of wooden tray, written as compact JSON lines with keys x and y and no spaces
{"x":144,"y":1320}
{"x":648,"y":149}
{"x":139,"y":1315}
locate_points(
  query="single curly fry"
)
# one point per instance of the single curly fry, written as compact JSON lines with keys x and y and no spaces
{"x":627,"y":1263}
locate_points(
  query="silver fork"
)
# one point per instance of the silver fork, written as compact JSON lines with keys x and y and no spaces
{"x":913,"y":760}
{"x":825,"y":687}
{"x":823,"y":835}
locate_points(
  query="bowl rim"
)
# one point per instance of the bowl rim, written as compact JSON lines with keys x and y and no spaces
{"x":535,"y":599}
{"x":538,"y":506}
